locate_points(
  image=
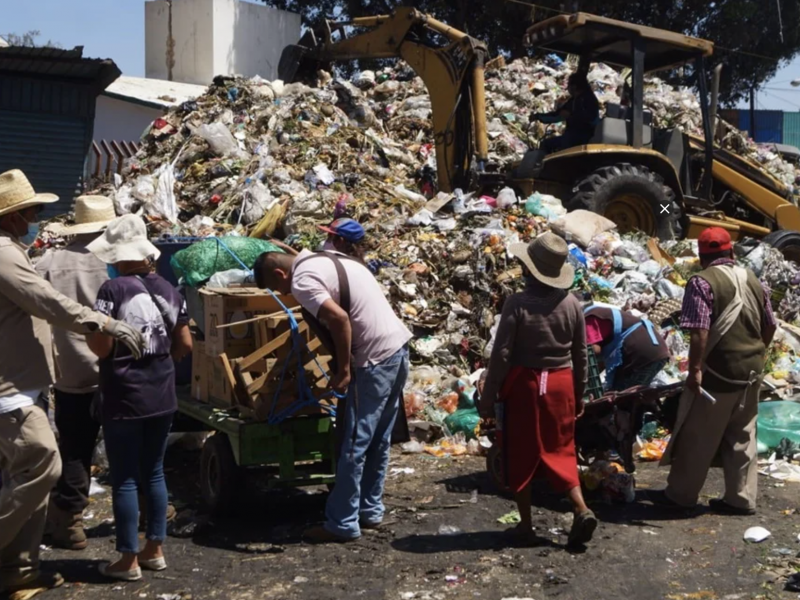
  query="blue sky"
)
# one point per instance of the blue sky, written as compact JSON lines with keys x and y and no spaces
{"x":115,"y":29}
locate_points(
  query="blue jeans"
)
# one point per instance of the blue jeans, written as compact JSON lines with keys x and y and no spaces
{"x":136,"y":449}
{"x":373,"y":400}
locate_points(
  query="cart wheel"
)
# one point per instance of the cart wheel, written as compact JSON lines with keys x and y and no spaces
{"x":220,"y":476}
{"x":494,"y":465}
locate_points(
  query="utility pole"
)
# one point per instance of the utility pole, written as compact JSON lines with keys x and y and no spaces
{"x":753,"y":112}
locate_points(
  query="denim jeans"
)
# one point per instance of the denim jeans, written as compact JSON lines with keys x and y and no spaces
{"x":372,"y":404}
{"x":136,"y":449}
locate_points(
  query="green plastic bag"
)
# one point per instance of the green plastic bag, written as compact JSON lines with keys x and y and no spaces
{"x":464,"y":420}
{"x":777,"y":420}
{"x":196,"y":264}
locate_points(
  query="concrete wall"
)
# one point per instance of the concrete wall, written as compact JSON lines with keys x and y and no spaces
{"x":121,"y":121}
{"x":249,"y":38}
{"x":217,"y":37}
{"x":192,"y":31}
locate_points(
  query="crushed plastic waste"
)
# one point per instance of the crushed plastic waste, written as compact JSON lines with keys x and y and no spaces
{"x":756,"y":535}
{"x":260,"y":158}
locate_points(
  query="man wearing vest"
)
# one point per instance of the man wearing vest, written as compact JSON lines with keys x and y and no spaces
{"x":728,"y":313}
{"x":371,"y":352}
{"x":633,"y":351}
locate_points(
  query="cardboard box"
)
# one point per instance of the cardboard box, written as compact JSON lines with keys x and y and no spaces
{"x":230,"y":305}
{"x":200,"y":371}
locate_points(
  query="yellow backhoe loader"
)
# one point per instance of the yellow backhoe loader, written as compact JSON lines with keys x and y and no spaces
{"x":662,"y":182}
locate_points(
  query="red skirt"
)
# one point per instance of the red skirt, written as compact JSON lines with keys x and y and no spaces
{"x":538,"y":437}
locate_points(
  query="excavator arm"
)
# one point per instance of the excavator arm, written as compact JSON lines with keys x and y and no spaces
{"x":453,"y":74}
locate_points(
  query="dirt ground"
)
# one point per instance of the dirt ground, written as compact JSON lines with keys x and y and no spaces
{"x":638,"y":553}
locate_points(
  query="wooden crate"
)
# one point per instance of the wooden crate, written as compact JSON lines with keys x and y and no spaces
{"x":259,"y":391}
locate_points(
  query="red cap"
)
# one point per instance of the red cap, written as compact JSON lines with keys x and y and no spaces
{"x":714,"y":240}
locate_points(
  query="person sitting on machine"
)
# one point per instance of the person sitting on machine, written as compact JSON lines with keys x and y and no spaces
{"x":581,"y":112}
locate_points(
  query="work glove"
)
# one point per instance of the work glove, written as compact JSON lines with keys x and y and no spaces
{"x":131,"y":337}
{"x":534,"y":117}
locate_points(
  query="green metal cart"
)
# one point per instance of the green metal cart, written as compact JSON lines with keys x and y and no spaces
{"x":297,"y":452}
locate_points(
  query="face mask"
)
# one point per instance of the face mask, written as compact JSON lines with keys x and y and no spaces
{"x":33,"y":232}
{"x":112,"y":271}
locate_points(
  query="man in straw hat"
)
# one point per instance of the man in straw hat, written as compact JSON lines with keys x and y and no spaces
{"x":29,"y":456}
{"x":78,"y":274}
{"x":729,"y":315}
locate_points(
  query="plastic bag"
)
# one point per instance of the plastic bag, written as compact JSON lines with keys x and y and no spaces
{"x":124,"y":201}
{"x":667,"y":289}
{"x":197,"y":263}
{"x":778,"y":420}
{"x":413,"y":403}
{"x":506,"y":198}
{"x":164,"y":204}
{"x":464,"y":421}
{"x":220,"y":140}
{"x":581,"y":226}
{"x":231,"y":277}
{"x":145,"y":189}
{"x":448,"y":402}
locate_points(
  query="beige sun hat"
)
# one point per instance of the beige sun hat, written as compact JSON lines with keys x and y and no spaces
{"x":124,"y":239}
{"x":16,"y":193}
{"x":546,"y":259}
{"x":92,"y":214}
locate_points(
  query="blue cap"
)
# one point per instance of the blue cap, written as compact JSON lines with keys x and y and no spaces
{"x":347,"y":229}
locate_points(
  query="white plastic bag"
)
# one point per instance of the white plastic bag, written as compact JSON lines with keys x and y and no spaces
{"x":164,"y":204}
{"x":145,"y":189}
{"x":220,"y":140}
{"x":581,"y":226}
{"x":124,"y":200}
{"x":506,"y":198}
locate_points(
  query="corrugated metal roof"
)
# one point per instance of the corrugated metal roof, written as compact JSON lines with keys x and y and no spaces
{"x":58,"y":63}
{"x":157,"y":93}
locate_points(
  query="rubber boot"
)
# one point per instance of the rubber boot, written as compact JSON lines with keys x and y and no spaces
{"x":66,"y":529}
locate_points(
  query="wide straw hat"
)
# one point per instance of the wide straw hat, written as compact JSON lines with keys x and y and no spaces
{"x":546,"y":259}
{"x":16,"y":193}
{"x":124,"y":239}
{"x":92,"y":214}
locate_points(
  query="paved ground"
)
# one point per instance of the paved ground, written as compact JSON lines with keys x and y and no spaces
{"x":638,"y":553}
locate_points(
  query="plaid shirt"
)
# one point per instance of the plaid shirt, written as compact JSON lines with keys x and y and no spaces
{"x":699,"y":300}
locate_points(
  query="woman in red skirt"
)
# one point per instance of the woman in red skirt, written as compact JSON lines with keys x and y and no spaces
{"x":535,"y":383}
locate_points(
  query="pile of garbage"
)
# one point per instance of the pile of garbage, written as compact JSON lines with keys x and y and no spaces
{"x":254,"y":154}
{"x":265,"y":158}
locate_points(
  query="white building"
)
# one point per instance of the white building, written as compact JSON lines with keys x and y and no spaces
{"x":216,"y":37}
{"x":127,"y":107}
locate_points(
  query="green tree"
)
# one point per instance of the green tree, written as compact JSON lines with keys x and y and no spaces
{"x":739,"y":28}
{"x":29,"y":39}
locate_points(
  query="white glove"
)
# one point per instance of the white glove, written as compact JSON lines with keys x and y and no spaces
{"x":126,"y":334}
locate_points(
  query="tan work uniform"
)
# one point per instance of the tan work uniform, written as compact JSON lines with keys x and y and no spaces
{"x":725,"y":431}
{"x":29,"y":457}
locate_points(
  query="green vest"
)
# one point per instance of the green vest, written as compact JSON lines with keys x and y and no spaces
{"x":741,"y":350}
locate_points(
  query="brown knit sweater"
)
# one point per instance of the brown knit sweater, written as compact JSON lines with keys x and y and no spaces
{"x":540,"y":328}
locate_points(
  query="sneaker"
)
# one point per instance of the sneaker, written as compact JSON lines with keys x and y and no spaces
{"x":720,"y":506}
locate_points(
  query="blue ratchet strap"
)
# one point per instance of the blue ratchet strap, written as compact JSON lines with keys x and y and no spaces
{"x":304,"y":390}
{"x":306,"y":397}
{"x":612,"y":351}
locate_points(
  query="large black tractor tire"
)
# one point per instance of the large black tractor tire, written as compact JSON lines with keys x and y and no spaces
{"x":787,"y":242}
{"x":633,"y":197}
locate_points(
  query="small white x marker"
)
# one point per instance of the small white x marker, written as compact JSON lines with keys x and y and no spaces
{"x":664,"y":208}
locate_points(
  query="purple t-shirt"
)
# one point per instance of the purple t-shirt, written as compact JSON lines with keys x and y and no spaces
{"x":134,"y":389}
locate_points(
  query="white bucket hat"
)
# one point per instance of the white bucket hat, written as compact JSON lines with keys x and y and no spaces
{"x":546,"y":259}
{"x":92,"y":215}
{"x":124,"y":239}
{"x":16,"y":193}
